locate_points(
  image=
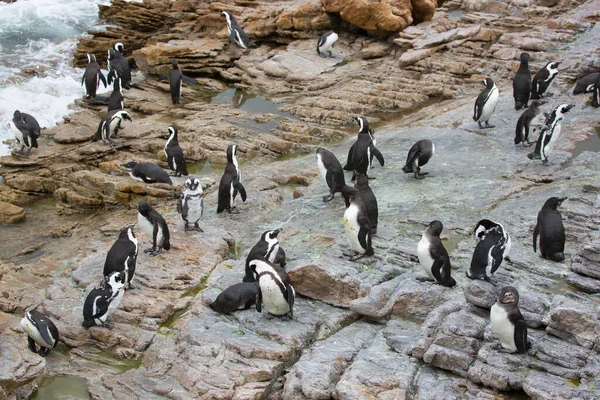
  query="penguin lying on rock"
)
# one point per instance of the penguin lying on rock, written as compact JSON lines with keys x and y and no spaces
{"x":40,"y":331}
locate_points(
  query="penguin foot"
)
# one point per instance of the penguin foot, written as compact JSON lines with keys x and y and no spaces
{"x":328,"y":198}
{"x":44,"y":351}
{"x":31,"y":345}
{"x":424,"y":279}
{"x":112,"y":143}
{"x":545,"y":162}
{"x":152,"y":251}
{"x":233,"y":210}
{"x":197,"y":228}
{"x":420,"y":176}
{"x":356,"y":258}
{"x":527,"y":144}
{"x":108,"y":325}
{"x":370,"y":177}
{"x":488,"y":126}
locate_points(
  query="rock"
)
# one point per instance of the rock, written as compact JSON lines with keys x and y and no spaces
{"x":9,"y":213}
{"x":541,"y":385}
{"x":378,"y":18}
{"x":575,"y":321}
{"x":481,"y":294}
{"x":412,"y":56}
{"x":73,"y":134}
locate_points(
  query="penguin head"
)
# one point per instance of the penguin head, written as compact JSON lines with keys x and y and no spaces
{"x":435,"y":228}
{"x":554,"y":202}
{"x":172,"y":130}
{"x":119,"y":47}
{"x":125,"y":115}
{"x":564,"y":108}
{"x":111,"y":54}
{"x":116,"y":280}
{"x":129,"y":165}
{"x":231,"y":151}
{"x":482,"y":227}
{"x":553,"y":65}
{"x":126,"y":232}
{"x":174,"y":63}
{"x":144,"y":208}
{"x":361,"y":181}
{"x":537,"y":104}
{"x":271,"y":236}
{"x":363,"y":124}
{"x":488,"y":82}
{"x":524,"y":57}
{"x":508,"y":295}
{"x":17,"y":115}
{"x":91,"y":58}
{"x":193,"y":184}
{"x":349,"y":194}
{"x":227,"y":16}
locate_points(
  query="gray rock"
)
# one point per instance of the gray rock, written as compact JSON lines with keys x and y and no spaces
{"x":574,"y":320}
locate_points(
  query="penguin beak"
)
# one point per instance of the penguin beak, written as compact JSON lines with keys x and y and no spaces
{"x":569,"y":107}
{"x":561,"y":200}
{"x":507,"y":298}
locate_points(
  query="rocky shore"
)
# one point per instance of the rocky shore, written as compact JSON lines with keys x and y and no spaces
{"x":361,"y":330}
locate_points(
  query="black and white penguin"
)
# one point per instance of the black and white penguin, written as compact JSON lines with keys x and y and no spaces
{"x":240,"y":296}
{"x":276,"y":293}
{"x":586,"y":84}
{"x":522,"y":83}
{"x":40,"y":331}
{"x":550,"y":229}
{"x":236,"y":33}
{"x":357,"y":224}
{"x":175,"y":157}
{"x":176,"y":80}
{"x":508,"y":323}
{"x":331,"y":171}
{"x":103,"y":299}
{"x":155,"y":227}
{"x":485,"y":105}
{"x":267,"y":248}
{"x":147,"y":172}
{"x":326,"y":42}
{"x":368,"y":197}
{"x":433,"y":256}
{"x":118,"y":66}
{"x":363,"y":125}
{"x":190,"y":205}
{"x":484,"y":225}
{"x":122,"y":256}
{"x":115,"y":100}
{"x":364,"y":149}
{"x":543,"y":80}
{"x":26,"y":130}
{"x":532,"y":118}
{"x":231,"y":183}
{"x":419,"y":155}
{"x":110,"y":125}
{"x":488,"y":255}
{"x":550,"y":134}
{"x":596,"y":93}
{"x":92,"y":77}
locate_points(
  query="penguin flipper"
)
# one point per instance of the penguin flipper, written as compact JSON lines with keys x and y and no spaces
{"x":102,"y":78}
{"x":180,"y":203}
{"x":83,"y":78}
{"x":98,"y":134}
{"x":259,"y":301}
{"x":437,"y":266}
{"x":377,"y":154}
{"x":497,"y":257}
{"x":536,"y":232}
{"x":291,"y":297}
{"x":520,"y":336}
{"x":240,"y":188}
{"x":413,"y":155}
{"x":189,"y":80}
{"x":111,"y":75}
{"x":349,"y":166}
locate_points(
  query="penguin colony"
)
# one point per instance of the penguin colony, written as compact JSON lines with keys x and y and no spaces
{"x":266,"y":284}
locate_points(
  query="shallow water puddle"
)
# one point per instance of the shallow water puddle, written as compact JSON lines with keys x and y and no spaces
{"x":61,"y":387}
{"x":592,"y":143}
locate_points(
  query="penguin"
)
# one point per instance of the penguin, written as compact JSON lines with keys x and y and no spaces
{"x":122,"y":256}
{"x":267,"y":248}
{"x":488,"y":255}
{"x":118,"y":66}
{"x":110,"y":125}
{"x":115,"y":100}
{"x":103,"y":299}
{"x":543,"y":80}
{"x":40,"y":331}
{"x":433,"y":256}
{"x":586,"y":84}
{"x":363,"y":125}
{"x":175,"y":157}
{"x":176,"y":80}
{"x":236,"y":33}
{"x":276,"y":293}
{"x":550,"y":229}
{"x":147,"y":172}
{"x":484,"y":225}
{"x":154,"y":226}
{"x":596,"y":93}
{"x":530,"y":119}
{"x":419,"y":155}
{"x":363,"y":150}
{"x":522,"y":83}
{"x":485,"y":105}
{"x":231,"y":183}
{"x":240,"y":296}
{"x":549,"y":134}
{"x":331,"y":171}
{"x":368,"y":197}
{"x":357,"y":224}
{"x":508,"y":323}
{"x":190,"y":205}
{"x":26,"y":130}
{"x":326,"y":42}
{"x":92,"y":77}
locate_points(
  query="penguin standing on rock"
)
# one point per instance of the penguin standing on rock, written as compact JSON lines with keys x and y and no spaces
{"x":109,"y":126}
{"x":331,"y":171}
{"x":485,"y":105}
{"x":484,"y":226}
{"x":363,"y":126}
{"x":176,"y":79}
{"x":122,"y":256}
{"x":433,"y":256}
{"x":276,"y":293}
{"x":368,"y":197}
{"x":40,"y":331}
{"x":155,"y":227}
{"x":522,"y":83}
{"x":236,"y":33}
{"x":267,"y":248}
{"x":543,"y":80}
{"x":175,"y":157}
{"x":115,"y":100}
{"x":103,"y":299}
{"x":508,"y":323}
{"x":550,"y":134}
{"x":530,"y":119}
{"x":147,"y":172}
{"x":364,"y":149}
{"x":190,"y":205}
{"x":240,"y":296}
{"x":357,"y":224}
{"x":26,"y":130}
{"x":586,"y":84}
{"x":596,"y":93}
{"x":419,"y":155}
{"x":488,"y":255}
{"x":231,"y":183}
{"x":92,"y":77}
{"x":326,"y":42}
{"x":118,"y":66}
{"x":550,"y":229}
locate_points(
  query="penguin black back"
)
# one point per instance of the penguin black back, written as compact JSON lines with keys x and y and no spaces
{"x":122,"y":256}
{"x":586,"y":84}
{"x":363,"y":149}
{"x":115,"y":100}
{"x":529,"y":119}
{"x":41,"y":332}
{"x":155,"y":227}
{"x":118,"y":65}
{"x":550,"y":229}
{"x":92,"y":77}
{"x":175,"y":82}
{"x":543,"y":80}
{"x":488,"y":255}
{"x":368,"y":197}
{"x":433,"y":256}
{"x":522,"y":83}
{"x":147,"y":172}
{"x":356,"y":223}
{"x":596,"y":93}
{"x":230,"y":184}
{"x":240,"y":296}
{"x":237,"y":35}
{"x":26,"y":130}
{"x":175,"y":157}
{"x":419,"y":155}
{"x":267,"y":248}
{"x":331,"y":171}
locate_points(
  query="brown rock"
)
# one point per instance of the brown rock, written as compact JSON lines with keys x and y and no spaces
{"x":9,"y":213}
{"x":377,"y":18}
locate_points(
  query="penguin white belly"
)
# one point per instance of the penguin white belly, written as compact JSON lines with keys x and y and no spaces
{"x":33,"y":333}
{"x":95,"y":311}
{"x":537,"y":121}
{"x":369,"y":160}
{"x":508,"y":245}
{"x":352,"y":228}
{"x":272,"y":298}
{"x":18,"y":134}
{"x":159,"y":237}
{"x":550,"y":146}
{"x":502,"y":327}
{"x":273,"y":252}
{"x":322,"y":168}
{"x":146,"y":226}
{"x":329,"y":42}
{"x":194,"y":210}
{"x":115,"y":302}
{"x":490,"y":262}
{"x":424,"y":256}
{"x":489,"y":106}
{"x":231,"y":198}
{"x":113,"y":124}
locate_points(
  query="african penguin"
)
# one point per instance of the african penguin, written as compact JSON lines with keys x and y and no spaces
{"x":488,"y":255}
{"x":240,"y":296}
{"x":147,"y":172}
{"x":231,"y":183}
{"x":267,"y":248}
{"x":543,"y":80}
{"x":485,"y":105}
{"x":276,"y":293}
{"x":115,"y":100}
{"x":326,"y":42}
{"x":103,"y":299}
{"x":363,"y":125}
{"x":175,"y":157}
{"x":118,"y":66}
{"x":550,"y":134}
{"x":122,"y":256}
{"x":550,"y":229}
{"x":433,"y":256}
{"x":508,"y":323}
{"x":586,"y":84}
{"x":155,"y":227}
{"x":419,"y":155}
{"x":532,"y":118}
{"x":190,"y":205}
{"x":176,"y":80}
{"x":368,"y":197}
{"x":331,"y":171}
{"x":109,"y":126}
{"x":522,"y":83}
{"x":40,"y":331}
{"x":92,"y":77}
{"x":363,"y":150}
{"x":596,"y":93}
{"x":357,"y":224}
{"x":26,"y":130}
{"x":236,"y":33}
{"x":484,"y":225}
